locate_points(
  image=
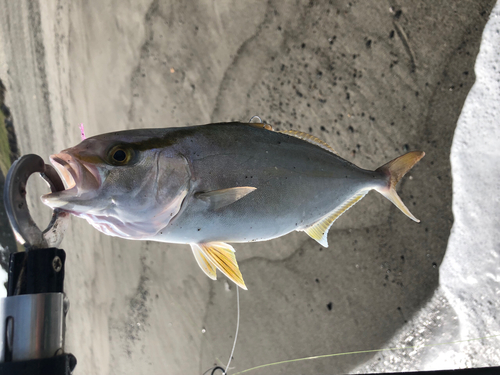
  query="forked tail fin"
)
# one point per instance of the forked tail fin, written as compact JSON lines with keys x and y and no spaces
{"x":395,"y":170}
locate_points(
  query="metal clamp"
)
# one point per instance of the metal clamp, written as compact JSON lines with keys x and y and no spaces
{"x":34,"y":327}
{"x":32,"y":316}
{"x":25,"y":229}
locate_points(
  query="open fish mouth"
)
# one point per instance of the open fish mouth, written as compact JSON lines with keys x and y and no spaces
{"x":69,"y":175}
{"x":79,"y":178}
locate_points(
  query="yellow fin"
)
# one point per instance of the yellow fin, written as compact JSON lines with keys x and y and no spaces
{"x":395,"y":170}
{"x":206,"y":265}
{"x":224,"y":197}
{"x":309,"y":138}
{"x":222,"y":256}
{"x":319,"y":230}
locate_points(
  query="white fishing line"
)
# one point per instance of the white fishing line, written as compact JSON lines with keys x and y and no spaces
{"x":237,"y":328}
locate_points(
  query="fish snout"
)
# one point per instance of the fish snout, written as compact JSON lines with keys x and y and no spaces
{"x":82,"y":181}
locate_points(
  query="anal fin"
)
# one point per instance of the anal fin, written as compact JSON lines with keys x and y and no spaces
{"x":220,"y":255}
{"x":319,"y":230}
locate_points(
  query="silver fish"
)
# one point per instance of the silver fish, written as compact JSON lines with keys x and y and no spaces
{"x":215,"y":184}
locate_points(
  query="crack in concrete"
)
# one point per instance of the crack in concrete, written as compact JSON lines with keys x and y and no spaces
{"x":404,"y":38}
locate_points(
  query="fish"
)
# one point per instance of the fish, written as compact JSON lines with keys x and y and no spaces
{"x":213,"y":185}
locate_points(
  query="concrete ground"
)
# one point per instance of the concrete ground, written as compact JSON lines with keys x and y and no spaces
{"x":372,"y":79}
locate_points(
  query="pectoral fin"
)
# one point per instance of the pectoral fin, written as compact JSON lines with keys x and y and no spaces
{"x":206,"y":265}
{"x":224,"y":197}
{"x":319,"y":230}
{"x":220,"y":255}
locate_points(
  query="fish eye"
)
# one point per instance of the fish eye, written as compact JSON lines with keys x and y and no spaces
{"x":119,"y":155}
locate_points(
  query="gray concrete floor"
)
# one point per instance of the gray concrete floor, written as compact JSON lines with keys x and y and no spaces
{"x":373,"y":79}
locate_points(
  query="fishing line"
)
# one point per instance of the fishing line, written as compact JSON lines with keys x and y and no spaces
{"x":237,"y":328}
{"x":360,"y":352}
{"x":213,"y":369}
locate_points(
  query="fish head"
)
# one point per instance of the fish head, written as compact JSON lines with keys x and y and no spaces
{"x":120,"y":185}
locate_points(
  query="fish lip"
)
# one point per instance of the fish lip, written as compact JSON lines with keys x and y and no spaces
{"x":79,"y":178}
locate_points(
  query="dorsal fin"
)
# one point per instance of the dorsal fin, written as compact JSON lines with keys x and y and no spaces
{"x":309,"y":138}
{"x":319,"y":230}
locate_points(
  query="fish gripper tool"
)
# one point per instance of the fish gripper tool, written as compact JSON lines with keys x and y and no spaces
{"x":32,"y":316}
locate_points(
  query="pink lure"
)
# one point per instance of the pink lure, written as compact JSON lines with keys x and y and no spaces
{"x":82,"y":132}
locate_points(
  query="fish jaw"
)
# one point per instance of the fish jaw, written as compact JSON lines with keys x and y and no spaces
{"x":82,"y":181}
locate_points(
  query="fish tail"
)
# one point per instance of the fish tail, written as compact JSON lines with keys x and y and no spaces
{"x":395,"y":170}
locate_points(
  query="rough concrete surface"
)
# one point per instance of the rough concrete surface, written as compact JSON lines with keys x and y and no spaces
{"x":458,"y":327}
{"x":373,"y":79}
